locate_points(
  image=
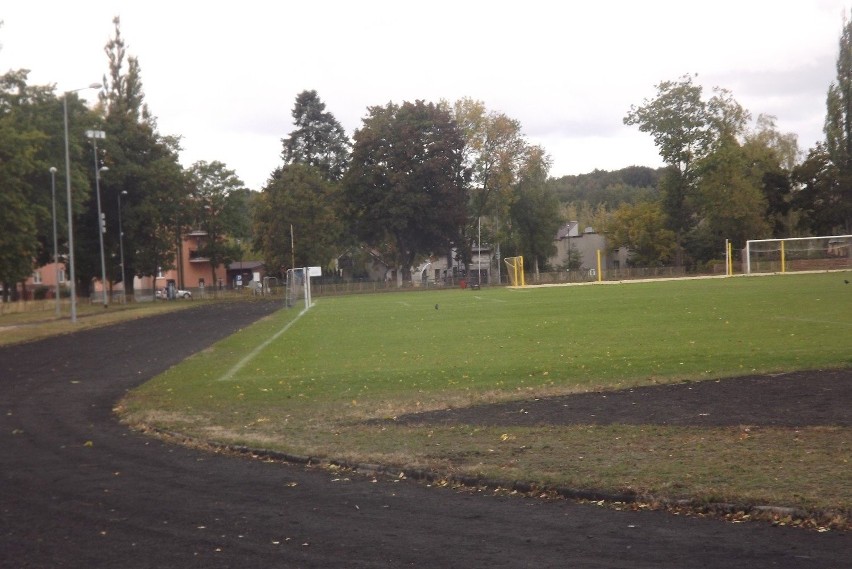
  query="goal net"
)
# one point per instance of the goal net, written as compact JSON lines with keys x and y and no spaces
{"x":798,"y":254}
{"x":295,"y":291}
{"x":515,"y":269}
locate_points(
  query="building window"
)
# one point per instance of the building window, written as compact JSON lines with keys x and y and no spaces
{"x":160,"y":272}
{"x":37,"y":277}
{"x":61,"y":276}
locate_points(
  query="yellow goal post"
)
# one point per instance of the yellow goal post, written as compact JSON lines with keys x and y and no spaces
{"x":515,"y":269}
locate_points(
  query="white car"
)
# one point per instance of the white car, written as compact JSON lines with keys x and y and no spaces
{"x":179,"y":293}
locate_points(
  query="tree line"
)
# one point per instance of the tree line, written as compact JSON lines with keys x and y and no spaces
{"x":138,"y":169}
{"x":727,"y":178}
{"x":416,"y":179}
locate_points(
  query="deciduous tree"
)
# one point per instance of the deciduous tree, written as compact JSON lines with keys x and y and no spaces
{"x":145,"y":164}
{"x":534,"y":212}
{"x":407,"y":183}
{"x":213,"y":189}
{"x":642,"y":229}
{"x":297,"y":198}
{"x":838,"y":140}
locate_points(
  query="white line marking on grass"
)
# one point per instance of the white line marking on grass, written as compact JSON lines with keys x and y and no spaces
{"x":491,"y":299}
{"x":229,"y":375}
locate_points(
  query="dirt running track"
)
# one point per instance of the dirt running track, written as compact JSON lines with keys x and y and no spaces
{"x":79,"y":490}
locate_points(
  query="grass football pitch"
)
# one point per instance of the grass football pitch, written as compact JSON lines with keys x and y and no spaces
{"x":307,"y":382}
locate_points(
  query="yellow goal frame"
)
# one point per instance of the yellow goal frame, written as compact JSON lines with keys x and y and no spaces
{"x":515,"y":266}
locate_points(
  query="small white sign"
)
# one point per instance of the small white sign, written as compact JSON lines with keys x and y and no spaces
{"x":314,"y":271}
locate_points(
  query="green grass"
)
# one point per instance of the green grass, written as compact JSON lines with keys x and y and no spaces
{"x":353,"y":358}
{"x":28,"y":326}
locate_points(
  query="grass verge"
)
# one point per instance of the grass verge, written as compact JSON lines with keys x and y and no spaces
{"x":21,"y":327}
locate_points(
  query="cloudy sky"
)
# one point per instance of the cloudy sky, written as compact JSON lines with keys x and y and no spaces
{"x":224,"y":76}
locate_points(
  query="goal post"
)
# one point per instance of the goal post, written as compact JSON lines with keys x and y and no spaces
{"x":792,"y":254}
{"x":515,"y":270}
{"x":296,"y":288}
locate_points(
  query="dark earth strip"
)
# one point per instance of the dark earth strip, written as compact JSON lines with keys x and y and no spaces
{"x":799,"y":399}
{"x":78,"y":489}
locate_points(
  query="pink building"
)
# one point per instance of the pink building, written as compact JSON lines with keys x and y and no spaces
{"x":193,"y":272}
{"x":45,"y":282}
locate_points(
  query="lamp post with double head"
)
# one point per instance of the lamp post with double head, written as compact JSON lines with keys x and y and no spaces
{"x":55,"y":241}
{"x":95,"y":135}
{"x":70,"y":208}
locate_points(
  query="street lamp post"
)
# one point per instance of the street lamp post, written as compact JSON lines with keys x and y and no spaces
{"x":70,"y":208}
{"x":95,"y":135}
{"x":121,"y":247}
{"x":55,"y":242}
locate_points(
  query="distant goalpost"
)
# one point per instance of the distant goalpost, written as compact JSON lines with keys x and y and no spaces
{"x":298,"y":286}
{"x":515,"y":269}
{"x":831,"y":252}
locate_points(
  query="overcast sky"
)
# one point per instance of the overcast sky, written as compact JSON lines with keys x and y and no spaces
{"x":224,"y":76}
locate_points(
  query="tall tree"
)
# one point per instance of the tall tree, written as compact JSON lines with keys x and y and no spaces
{"x":711,"y":190}
{"x":217,"y":212}
{"x":819,"y":199}
{"x":319,"y":140}
{"x":678,"y":119}
{"x":18,"y":215}
{"x":31,"y":123}
{"x":641,"y":228}
{"x":297,"y":202}
{"x":145,"y":164}
{"x":407,"y":183}
{"x":535,"y":213}
{"x":494,"y":152}
{"x":772,"y":156}
{"x":731,"y":199}
{"x":838,"y":135}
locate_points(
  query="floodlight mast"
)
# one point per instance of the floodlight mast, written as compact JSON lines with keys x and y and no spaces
{"x":55,"y":240}
{"x":95,"y":135}
{"x":68,"y":194}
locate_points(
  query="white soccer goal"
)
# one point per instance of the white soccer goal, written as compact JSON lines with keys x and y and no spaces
{"x":831,"y":252}
{"x":298,"y":288}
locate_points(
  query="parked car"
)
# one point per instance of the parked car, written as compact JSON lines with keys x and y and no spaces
{"x":179,"y":293}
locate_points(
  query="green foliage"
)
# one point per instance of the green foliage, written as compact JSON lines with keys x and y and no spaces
{"x":216,"y":207}
{"x":730,"y":197}
{"x":838,"y":146}
{"x":821,"y":201}
{"x":642,"y":229}
{"x":319,"y":141}
{"x":602,"y":187}
{"x":25,"y":192}
{"x":677,"y":118}
{"x":494,"y":150}
{"x":773,"y":156}
{"x":535,"y":211}
{"x":143,"y":163}
{"x":407,"y":184}
{"x":722,"y":181}
{"x":301,"y":197}
{"x":18,"y":246}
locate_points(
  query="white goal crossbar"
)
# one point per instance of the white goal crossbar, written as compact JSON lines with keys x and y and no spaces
{"x":798,"y":254}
